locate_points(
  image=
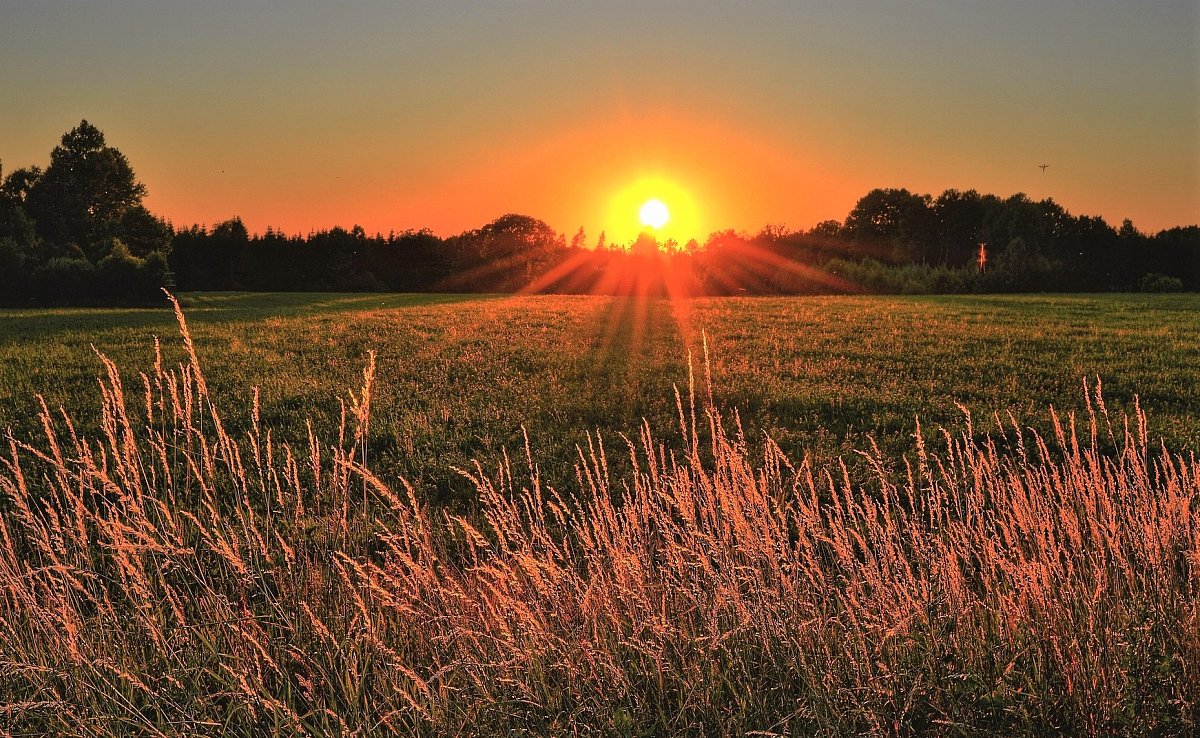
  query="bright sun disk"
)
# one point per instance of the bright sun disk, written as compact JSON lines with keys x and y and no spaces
{"x":654,"y":213}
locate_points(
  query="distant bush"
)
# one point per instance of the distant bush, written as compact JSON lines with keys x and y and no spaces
{"x":906,"y":279}
{"x":65,"y":279}
{"x":1155,"y":282}
{"x":14,"y":276}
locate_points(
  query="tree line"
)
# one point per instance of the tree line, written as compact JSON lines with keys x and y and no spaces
{"x":77,"y":232}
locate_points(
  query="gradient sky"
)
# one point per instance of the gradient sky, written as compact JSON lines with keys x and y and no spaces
{"x":303,"y":115}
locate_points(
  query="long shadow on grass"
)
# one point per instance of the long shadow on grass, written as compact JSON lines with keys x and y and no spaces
{"x":626,"y":357}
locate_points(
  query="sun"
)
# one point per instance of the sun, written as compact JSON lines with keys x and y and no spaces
{"x":653,"y":203}
{"x":654,"y":213}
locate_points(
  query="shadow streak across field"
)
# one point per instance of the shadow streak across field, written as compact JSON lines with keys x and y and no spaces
{"x":631,"y":334}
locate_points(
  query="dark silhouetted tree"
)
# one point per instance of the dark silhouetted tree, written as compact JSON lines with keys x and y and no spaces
{"x":82,"y":195}
{"x":143,"y":232}
{"x":826,"y":229}
{"x":960,"y":217}
{"x":579,"y":240}
{"x":897,"y":219}
{"x":16,"y":186}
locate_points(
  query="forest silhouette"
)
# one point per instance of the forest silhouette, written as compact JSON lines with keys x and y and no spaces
{"x":77,"y":232}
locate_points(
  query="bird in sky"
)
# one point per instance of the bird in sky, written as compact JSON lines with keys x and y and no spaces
{"x":1043,"y":167}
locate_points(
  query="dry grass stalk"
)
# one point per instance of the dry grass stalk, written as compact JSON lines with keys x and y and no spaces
{"x":169,"y":578}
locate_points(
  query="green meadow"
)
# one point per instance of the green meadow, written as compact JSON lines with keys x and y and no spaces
{"x":459,"y":377}
{"x":188,"y":562}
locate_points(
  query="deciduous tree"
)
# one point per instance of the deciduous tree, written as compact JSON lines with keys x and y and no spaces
{"x":85,"y":191}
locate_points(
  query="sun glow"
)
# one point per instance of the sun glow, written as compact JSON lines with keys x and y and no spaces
{"x":654,"y":213}
{"x":643,"y":205}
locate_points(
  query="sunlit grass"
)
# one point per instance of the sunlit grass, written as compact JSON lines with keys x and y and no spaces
{"x":169,"y":576}
{"x":461,"y":375}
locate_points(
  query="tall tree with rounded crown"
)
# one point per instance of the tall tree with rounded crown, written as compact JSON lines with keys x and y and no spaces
{"x":83,"y":194}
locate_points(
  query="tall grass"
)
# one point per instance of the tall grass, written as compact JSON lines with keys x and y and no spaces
{"x":167,"y":578}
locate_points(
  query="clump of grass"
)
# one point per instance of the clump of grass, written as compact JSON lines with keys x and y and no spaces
{"x":167,"y":578}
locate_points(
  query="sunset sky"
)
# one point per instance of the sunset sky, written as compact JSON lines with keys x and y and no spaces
{"x":304,"y":115}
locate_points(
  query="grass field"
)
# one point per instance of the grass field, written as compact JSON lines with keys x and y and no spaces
{"x":184,"y":564}
{"x":459,"y":375}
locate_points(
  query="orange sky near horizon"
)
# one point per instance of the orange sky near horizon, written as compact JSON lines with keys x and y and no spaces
{"x":712,"y":176}
{"x":305,"y":115}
